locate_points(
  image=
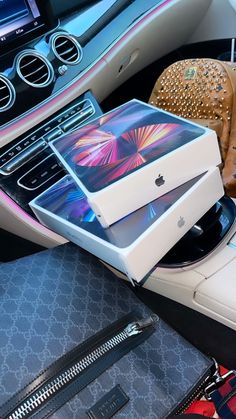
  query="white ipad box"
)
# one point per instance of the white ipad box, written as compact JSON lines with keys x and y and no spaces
{"x":132,"y":155}
{"x":135,"y":244}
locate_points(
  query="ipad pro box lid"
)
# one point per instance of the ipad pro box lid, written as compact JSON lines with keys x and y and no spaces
{"x":132,"y":155}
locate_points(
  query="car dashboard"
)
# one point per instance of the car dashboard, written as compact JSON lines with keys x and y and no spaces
{"x":34,"y":74}
{"x":58,"y":62}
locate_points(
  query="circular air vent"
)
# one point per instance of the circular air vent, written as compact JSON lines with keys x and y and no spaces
{"x":7,"y":94}
{"x":66,"y":48}
{"x":34,"y":69}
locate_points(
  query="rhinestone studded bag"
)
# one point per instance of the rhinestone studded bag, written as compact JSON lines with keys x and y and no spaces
{"x":204,"y":90}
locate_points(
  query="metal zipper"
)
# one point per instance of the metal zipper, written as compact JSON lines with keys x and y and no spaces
{"x":57,"y":384}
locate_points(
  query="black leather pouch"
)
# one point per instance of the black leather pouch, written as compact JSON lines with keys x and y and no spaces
{"x":75,"y":342}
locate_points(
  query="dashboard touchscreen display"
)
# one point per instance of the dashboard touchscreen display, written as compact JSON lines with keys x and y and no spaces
{"x":17,"y":18}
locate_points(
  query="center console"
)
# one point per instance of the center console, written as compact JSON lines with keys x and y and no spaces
{"x":27,"y":165}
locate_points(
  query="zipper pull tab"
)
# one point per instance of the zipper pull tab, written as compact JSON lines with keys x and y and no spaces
{"x":140,"y":325}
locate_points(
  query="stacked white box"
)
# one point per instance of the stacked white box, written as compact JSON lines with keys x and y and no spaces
{"x":132,"y":155}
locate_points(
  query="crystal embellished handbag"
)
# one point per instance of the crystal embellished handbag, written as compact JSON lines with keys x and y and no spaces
{"x":204,"y":90}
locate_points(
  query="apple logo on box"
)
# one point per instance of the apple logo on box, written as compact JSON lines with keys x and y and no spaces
{"x":181,"y":222}
{"x":160,"y":181}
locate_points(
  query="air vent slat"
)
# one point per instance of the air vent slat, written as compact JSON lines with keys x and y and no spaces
{"x":73,"y":56}
{"x":67,"y":51}
{"x":27,"y":76}
{"x":5,"y":99}
{"x":34,"y":69}
{"x":66,"y":48}
{"x":28,"y":63}
{"x":62,"y":43}
{"x":44,"y":76}
{"x":7,"y":94}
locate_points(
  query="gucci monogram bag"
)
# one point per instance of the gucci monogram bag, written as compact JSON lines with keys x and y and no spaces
{"x":75,"y":342}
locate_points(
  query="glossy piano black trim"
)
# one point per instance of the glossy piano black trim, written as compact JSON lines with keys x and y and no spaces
{"x":12,"y":184}
{"x":63,"y":8}
{"x":204,"y":237}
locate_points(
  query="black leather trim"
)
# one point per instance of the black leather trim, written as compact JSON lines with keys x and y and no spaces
{"x":109,"y":405}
